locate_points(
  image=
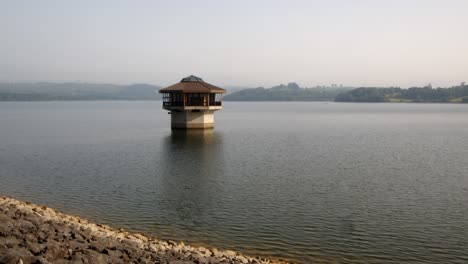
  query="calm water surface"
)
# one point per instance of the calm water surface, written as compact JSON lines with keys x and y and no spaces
{"x":313,"y":182}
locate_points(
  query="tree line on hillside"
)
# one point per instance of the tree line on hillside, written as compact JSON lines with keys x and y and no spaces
{"x":289,"y":92}
{"x":426,"y":94}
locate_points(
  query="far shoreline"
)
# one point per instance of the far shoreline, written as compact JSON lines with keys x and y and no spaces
{"x":244,"y":101}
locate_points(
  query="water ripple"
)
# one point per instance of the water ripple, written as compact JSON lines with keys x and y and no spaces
{"x":321,"y":183}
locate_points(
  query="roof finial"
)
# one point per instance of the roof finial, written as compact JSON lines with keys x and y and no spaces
{"x":192,"y":78}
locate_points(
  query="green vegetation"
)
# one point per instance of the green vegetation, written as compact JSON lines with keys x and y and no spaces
{"x":361,"y":95}
{"x":427,"y":94}
{"x":290,"y":92}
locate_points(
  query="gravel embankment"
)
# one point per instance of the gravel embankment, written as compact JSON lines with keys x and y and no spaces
{"x":37,"y":234}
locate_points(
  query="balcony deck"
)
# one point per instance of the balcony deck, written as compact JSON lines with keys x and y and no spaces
{"x":179,"y":106}
{"x":179,"y":103}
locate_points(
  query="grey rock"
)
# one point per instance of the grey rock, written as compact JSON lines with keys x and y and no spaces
{"x":34,"y":248}
{"x":54,"y":251}
{"x":40,"y":236}
{"x":181,"y":262}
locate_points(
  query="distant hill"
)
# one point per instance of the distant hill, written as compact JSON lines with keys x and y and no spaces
{"x":233,"y":89}
{"x":427,"y":94}
{"x":139,"y":92}
{"x":45,"y":91}
{"x":290,"y":92}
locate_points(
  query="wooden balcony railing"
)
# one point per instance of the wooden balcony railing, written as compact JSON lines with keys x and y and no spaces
{"x":217,"y":103}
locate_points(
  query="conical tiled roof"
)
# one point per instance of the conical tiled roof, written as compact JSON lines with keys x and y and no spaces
{"x":192,"y":84}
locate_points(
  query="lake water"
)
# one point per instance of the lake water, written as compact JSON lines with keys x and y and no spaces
{"x":312,"y":182}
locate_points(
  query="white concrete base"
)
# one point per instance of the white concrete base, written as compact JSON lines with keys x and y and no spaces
{"x":190,"y":119}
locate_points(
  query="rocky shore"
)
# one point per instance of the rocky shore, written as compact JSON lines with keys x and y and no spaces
{"x":37,"y":234}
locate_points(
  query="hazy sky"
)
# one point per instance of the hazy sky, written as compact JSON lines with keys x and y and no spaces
{"x":248,"y":43}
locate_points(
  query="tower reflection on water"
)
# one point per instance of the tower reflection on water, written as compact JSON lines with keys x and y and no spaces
{"x":194,"y":137}
{"x":191,"y":165}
